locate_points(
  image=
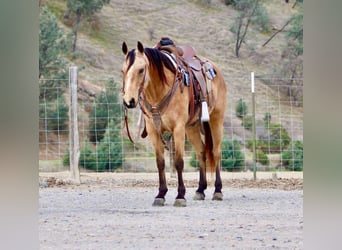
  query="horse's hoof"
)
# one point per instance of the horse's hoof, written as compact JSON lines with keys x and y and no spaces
{"x":180,"y":203}
{"x":199,"y":196}
{"x":217,"y":196}
{"x":158,"y":202}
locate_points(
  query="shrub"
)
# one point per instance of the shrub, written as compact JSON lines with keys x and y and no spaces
{"x":87,"y":157}
{"x":292,"y":157}
{"x":110,"y":151}
{"x":229,"y":2}
{"x":247,"y":122}
{"x":66,"y":158}
{"x":275,"y":139}
{"x":232,"y":157}
{"x":193,"y":160}
{"x":105,"y":108}
{"x":241,"y":109}
{"x":267,"y":119}
{"x":262,"y":157}
{"x":108,"y":155}
{"x":54,"y":115}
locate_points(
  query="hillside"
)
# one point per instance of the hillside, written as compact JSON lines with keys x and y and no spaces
{"x":204,"y":26}
{"x":195,"y":22}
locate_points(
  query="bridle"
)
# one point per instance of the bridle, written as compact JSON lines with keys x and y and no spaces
{"x":155,"y":111}
{"x":141,"y":88}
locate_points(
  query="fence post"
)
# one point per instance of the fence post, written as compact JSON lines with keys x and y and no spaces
{"x":253,"y":120}
{"x":74,"y":149}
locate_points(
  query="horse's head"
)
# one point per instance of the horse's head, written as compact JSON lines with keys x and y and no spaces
{"x":134,"y":74}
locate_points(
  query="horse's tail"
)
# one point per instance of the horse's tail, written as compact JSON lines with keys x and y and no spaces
{"x":209,"y":146}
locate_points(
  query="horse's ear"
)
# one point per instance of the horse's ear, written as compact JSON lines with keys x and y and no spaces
{"x":124,"y":48}
{"x":140,"y":47}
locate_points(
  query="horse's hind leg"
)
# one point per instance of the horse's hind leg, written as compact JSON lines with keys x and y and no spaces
{"x":179,"y":137}
{"x":218,"y":185}
{"x":216,"y":124}
{"x":193,"y":134}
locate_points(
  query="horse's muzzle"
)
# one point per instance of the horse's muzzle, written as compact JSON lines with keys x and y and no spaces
{"x":132,"y":103}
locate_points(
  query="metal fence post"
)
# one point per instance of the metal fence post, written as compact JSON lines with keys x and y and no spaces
{"x":74,"y":149}
{"x":253,"y":119}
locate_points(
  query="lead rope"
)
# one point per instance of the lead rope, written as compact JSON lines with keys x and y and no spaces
{"x":126,"y":124}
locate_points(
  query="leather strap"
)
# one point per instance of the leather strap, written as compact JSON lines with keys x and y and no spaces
{"x":127,"y":129}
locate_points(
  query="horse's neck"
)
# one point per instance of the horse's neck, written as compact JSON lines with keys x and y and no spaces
{"x":156,"y":89}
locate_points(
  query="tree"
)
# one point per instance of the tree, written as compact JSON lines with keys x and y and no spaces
{"x":295,"y":33}
{"x":241,"y":108}
{"x":109,"y":153}
{"x":80,"y":10}
{"x":52,"y":47}
{"x":292,"y":157}
{"x":53,"y":111}
{"x":250,"y":12}
{"x":291,"y":64}
{"x":58,"y":116}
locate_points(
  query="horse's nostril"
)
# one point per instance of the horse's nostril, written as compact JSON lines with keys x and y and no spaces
{"x":131,"y":103}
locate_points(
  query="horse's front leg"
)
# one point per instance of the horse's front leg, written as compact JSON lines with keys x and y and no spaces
{"x":159,"y":151}
{"x":160,"y":198}
{"x":179,"y":137}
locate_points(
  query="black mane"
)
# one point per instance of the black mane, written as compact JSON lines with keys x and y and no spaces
{"x":157,"y":60}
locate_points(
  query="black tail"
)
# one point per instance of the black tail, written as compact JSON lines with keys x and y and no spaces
{"x":209,"y":146}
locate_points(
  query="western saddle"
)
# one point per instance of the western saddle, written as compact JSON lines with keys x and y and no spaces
{"x":193,"y":73}
{"x":196,"y":73}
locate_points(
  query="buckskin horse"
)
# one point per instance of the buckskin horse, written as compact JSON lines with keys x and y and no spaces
{"x":184,"y":94}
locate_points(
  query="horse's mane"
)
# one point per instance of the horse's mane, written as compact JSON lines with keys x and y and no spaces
{"x":157,"y":60}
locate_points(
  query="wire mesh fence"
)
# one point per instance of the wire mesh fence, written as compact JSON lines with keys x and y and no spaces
{"x":104,"y":145}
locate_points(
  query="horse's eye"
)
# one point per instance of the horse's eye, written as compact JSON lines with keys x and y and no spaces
{"x":141,"y":70}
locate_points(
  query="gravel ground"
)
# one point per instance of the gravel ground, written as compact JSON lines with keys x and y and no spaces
{"x":114,"y":211}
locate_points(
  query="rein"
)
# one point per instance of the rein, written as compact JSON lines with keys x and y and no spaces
{"x":126,"y":125}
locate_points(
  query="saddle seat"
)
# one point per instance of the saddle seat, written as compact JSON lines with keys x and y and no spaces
{"x":189,"y":56}
{"x":186,"y":52}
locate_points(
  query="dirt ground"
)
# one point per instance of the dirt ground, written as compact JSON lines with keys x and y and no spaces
{"x":114,"y":211}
